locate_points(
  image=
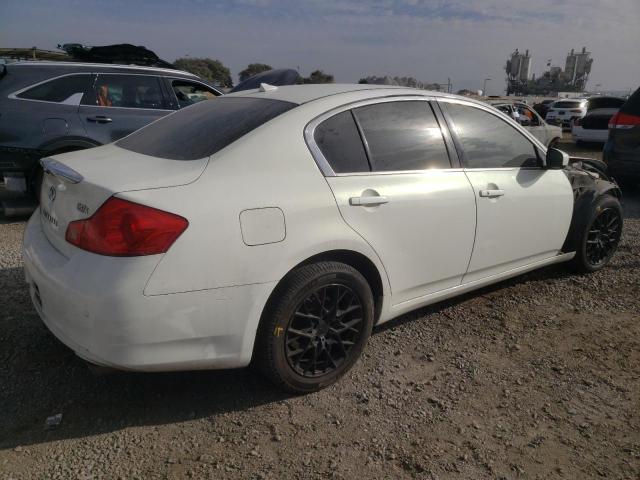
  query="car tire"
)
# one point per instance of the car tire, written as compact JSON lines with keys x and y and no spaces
{"x":599,"y":236}
{"x":315,"y":328}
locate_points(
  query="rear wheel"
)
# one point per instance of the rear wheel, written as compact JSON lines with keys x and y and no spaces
{"x":316,"y":328}
{"x":600,"y":236}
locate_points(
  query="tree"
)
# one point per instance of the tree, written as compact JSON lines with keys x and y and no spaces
{"x":254,"y":69}
{"x":318,"y":76}
{"x":207,"y":68}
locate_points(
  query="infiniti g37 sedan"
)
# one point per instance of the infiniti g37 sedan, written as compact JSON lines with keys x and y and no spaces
{"x":277,"y":226}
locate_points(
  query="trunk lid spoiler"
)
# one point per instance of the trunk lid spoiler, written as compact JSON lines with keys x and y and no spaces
{"x":60,"y":170}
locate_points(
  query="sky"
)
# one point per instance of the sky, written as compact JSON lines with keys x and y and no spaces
{"x":431,"y":40}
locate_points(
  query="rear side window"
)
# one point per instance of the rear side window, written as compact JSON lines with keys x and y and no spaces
{"x":488,"y":141}
{"x":632,"y":105}
{"x":187,"y":93}
{"x":59,"y":89}
{"x":204,"y":128}
{"x":402,"y":136}
{"x":566,"y":105}
{"x":126,"y":91}
{"x":340,"y":143}
{"x":604,"y":102}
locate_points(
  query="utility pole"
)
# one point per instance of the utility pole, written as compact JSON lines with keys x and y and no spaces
{"x":484,"y":86}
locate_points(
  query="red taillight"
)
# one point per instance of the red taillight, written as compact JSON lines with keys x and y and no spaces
{"x":624,"y":120}
{"x":120,"y":228}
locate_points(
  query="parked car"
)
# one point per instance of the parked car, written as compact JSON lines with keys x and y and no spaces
{"x":48,"y":108}
{"x":622,"y":149}
{"x":594,"y":126}
{"x":281,"y":224}
{"x":549,"y":135}
{"x":563,"y":112}
{"x":543,"y":107}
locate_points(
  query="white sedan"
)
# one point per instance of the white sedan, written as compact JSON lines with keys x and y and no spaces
{"x":277,"y":226}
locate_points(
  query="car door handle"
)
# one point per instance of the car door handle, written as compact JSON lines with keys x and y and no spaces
{"x":491,"y":193}
{"x":99,"y":119}
{"x":368,"y":201}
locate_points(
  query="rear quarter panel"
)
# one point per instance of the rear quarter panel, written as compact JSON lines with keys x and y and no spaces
{"x":270,"y":167}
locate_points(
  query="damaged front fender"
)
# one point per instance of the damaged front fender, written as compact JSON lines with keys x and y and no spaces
{"x":589,"y":181}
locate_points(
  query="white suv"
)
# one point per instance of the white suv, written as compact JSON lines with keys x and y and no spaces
{"x":563,"y":112}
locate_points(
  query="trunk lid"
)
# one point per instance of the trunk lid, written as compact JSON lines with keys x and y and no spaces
{"x":76,"y":184}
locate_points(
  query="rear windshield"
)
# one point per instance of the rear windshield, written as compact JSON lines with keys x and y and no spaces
{"x":566,"y":105}
{"x":632,"y":105}
{"x":605,"y":102}
{"x":204,"y":128}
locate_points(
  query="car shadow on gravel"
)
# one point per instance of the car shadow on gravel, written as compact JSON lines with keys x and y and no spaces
{"x":41,"y":377}
{"x":553,"y":272}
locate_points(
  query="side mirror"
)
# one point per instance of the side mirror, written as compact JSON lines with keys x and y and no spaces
{"x":556,"y":159}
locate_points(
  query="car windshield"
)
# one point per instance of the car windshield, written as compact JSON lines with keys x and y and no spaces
{"x":204,"y":128}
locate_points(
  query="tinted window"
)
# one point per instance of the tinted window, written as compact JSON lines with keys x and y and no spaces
{"x":488,"y":141}
{"x":204,"y":128}
{"x":402,"y":136}
{"x":189,"y":93}
{"x":58,"y":90}
{"x":604,"y":102}
{"x":129,"y":91}
{"x":341,"y":145}
{"x":566,"y":105}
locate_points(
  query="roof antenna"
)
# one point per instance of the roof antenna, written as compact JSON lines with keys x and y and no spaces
{"x":265,"y":87}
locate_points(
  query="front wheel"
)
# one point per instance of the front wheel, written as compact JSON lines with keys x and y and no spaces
{"x":316,"y":328}
{"x":600,"y":236}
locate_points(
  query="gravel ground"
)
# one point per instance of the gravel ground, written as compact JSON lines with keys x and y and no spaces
{"x":536,"y":377}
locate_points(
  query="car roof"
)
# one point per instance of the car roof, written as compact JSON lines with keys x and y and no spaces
{"x":106,"y":66}
{"x":301,"y":94}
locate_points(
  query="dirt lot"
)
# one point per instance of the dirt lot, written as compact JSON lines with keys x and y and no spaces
{"x":537,"y":377}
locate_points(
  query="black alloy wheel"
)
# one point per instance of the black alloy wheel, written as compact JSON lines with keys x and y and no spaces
{"x":315,"y":326}
{"x":598,"y":235}
{"x":323,"y":330}
{"x":603,"y":236}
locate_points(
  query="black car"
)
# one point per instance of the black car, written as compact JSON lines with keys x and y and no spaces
{"x":622,"y":150}
{"x":48,"y":108}
{"x":543,"y":107}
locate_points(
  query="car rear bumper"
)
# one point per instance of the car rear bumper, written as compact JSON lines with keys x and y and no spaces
{"x":101,"y":313}
{"x":589,"y":135}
